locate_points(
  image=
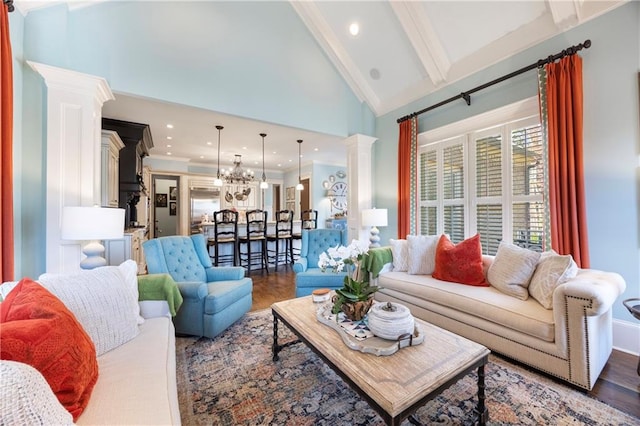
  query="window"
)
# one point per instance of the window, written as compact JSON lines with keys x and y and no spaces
{"x":489,"y":179}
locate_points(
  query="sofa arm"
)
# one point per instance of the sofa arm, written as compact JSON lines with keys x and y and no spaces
{"x":192,"y":290}
{"x":598,"y":288}
{"x":225,"y":273}
{"x":300,"y":265}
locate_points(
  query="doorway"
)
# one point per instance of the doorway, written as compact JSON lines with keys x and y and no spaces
{"x":166,"y":205}
{"x":304,"y":196}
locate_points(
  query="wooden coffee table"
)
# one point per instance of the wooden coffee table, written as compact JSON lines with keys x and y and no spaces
{"x":395,"y":385}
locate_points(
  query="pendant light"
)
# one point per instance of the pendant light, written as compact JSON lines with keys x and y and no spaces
{"x":299,"y":186}
{"x":263,"y":184}
{"x":217,"y":181}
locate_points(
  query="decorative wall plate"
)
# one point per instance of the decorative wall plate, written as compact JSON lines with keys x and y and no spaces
{"x":326,"y":184}
{"x":332,"y":178}
{"x":341,"y":174}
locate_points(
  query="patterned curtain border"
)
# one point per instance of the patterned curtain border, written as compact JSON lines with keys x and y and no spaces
{"x":413,"y":194}
{"x":544,"y":122}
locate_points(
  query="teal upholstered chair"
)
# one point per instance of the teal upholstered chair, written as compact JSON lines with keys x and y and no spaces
{"x":308,"y":275}
{"x":214,"y":297}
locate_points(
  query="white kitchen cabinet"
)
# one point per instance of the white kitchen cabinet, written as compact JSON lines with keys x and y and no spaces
{"x":111,"y":144}
{"x":127,"y":247}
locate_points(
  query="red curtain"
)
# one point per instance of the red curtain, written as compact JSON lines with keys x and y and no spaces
{"x":404,"y":179}
{"x":6,"y":148}
{"x":566,"y":169}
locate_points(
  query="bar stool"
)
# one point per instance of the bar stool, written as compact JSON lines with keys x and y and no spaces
{"x":256,"y":234}
{"x":283,"y":232}
{"x":308,"y":220}
{"x":225,"y":232}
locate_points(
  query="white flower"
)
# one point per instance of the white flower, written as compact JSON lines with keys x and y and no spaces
{"x":337,"y":257}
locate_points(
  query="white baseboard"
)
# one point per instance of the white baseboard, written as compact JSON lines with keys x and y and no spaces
{"x":626,"y":336}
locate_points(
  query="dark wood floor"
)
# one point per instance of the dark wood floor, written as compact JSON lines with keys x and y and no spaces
{"x":618,"y":385}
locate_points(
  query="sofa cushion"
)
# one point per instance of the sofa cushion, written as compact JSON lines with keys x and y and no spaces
{"x":27,"y":399}
{"x":460,"y":263}
{"x":422,"y":254}
{"x":525,"y":316}
{"x":103,"y":302}
{"x":223,"y":294}
{"x":552,"y":270}
{"x":400,"y":255}
{"x":137,"y":384}
{"x":512,"y":269}
{"x":39,"y":330}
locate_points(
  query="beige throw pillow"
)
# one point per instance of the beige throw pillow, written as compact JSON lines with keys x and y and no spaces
{"x":400,"y":254}
{"x":512,"y":269}
{"x":422,"y":254}
{"x":552,"y":270}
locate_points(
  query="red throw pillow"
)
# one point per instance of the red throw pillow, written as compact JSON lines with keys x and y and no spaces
{"x":38,"y":329}
{"x":460,"y":263}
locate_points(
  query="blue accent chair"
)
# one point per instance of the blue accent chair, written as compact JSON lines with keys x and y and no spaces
{"x":308,"y":275}
{"x":214,"y":297}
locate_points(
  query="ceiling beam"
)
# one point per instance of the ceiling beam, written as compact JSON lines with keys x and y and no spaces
{"x":423,"y":38}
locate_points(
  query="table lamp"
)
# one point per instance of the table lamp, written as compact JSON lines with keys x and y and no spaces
{"x":93,"y":224}
{"x":374,"y":218}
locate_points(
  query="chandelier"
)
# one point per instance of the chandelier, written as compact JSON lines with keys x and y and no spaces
{"x":237,"y":174}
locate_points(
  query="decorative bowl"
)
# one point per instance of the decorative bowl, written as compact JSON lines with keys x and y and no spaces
{"x":390,"y":320}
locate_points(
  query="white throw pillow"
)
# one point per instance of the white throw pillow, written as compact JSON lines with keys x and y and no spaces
{"x":400,"y":254}
{"x":422,"y":254}
{"x":27,"y":399}
{"x":552,"y":270}
{"x":103,"y":302}
{"x":512,"y":269}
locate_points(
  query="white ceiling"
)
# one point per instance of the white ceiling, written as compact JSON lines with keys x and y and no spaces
{"x":404,"y":51}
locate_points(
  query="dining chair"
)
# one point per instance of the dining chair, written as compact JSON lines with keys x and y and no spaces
{"x":282,"y":234}
{"x":254,"y":241}
{"x":225,"y":234}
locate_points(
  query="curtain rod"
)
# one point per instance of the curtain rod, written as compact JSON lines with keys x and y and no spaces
{"x":9,"y":4}
{"x":467,"y":95}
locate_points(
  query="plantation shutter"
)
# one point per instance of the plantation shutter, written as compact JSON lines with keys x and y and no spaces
{"x":453,"y":191}
{"x":428,"y":193}
{"x":489,"y":192}
{"x":528,"y":186}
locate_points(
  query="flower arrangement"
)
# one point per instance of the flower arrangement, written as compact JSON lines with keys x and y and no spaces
{"x":355,"y":289}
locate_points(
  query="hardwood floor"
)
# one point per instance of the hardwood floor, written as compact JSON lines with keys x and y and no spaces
{"x":618,"y":385}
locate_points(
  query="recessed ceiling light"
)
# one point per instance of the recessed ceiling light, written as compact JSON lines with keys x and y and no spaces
{"x":315,"y":149}
{"x":169,"y":137}
{"x":202,"y":156}
{"x":208,"y":142}
{"x":244,"y":147}
{"x":354,"y":29}
{"x":168,"y":153}
{"x":274,"y":152}
{"x":290,"y":161}
{"x":168,"y":146}
{"x":279,"y":165}
{"x":169,"y":126}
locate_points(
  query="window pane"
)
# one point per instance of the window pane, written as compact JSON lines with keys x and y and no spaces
{"x":428,"y":220}
{"x":453,"y":172}
{"x":489,"y":226}
{"x":528,"y":225}
{"x":527,"y":161}
{"x":489,"y":166}
{"x":428,"y":177}
{"x":454,"y":222}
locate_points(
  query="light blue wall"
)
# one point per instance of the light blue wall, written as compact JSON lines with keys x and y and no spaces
{"x":611,"y":134}
{"x":257,"y":61}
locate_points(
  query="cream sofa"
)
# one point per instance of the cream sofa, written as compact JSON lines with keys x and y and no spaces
{"x":571,"y":341}
{"x":135,"y":348}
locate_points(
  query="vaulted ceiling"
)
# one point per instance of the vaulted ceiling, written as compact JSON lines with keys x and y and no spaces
{"x":403,"y":51}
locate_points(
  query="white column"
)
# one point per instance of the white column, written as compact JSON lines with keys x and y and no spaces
{"x":73,"y":138}
{"x":359,"y":179}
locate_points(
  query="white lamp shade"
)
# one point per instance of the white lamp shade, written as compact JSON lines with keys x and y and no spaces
{"x":374,"y":217}
{"x":92,"y":223}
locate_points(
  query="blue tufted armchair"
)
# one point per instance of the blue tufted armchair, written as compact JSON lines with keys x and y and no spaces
{"x":214,"y":297}
{"x":308,"y":276}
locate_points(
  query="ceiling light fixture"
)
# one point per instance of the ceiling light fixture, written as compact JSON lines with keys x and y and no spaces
{"x":354,"y":29}
{"x":217,"y":181}
{"x":237,"y":174}
{"x":263,"y":184}
{"x":299,"y":186}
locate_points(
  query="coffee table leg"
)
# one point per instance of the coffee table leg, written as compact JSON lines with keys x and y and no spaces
{"x":275,"y":348}
{"x":481,"y":409}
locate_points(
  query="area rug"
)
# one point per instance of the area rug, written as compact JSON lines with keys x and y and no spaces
{"x":232,"y":380}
